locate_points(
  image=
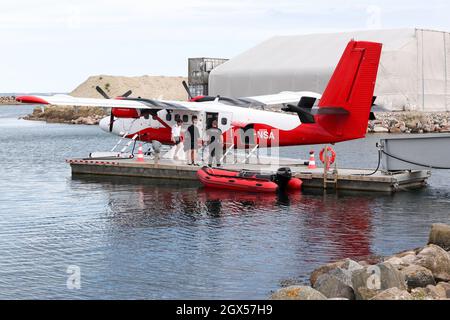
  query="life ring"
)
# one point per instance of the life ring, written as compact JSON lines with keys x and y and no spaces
{"x":331,"y":158}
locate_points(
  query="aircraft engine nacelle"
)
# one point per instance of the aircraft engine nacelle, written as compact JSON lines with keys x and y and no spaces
{"x":125,"y":113}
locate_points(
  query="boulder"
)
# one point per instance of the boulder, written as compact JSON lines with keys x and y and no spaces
{"x":408,"y":259}
{"x":417,"y":276}
{"x":324,"y":269}
{"x":421,"y":294}
{"x":370,"y":260}
{"x":402,"y":258}
{"x":393,"y":294}
{"x":435,"y":259}
{"x":395,"y":260}
{"x":370,"y":281}
{"x":379,"y":129}
{"x":351,"y":265}
{"x":334,"y":287}
{"x":297,"y":293}
{"x":445,"y":286}
{"x":437,"y":292}
{"x":395,"y":130}
{"x":440,"y":235}
{"x":341,"y":269}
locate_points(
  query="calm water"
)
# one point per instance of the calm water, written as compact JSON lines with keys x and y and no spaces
{"x":148,"y":239}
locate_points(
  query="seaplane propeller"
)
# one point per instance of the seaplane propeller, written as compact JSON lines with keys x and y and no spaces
{"x":104,"y":95}
{"x":186,"y":87}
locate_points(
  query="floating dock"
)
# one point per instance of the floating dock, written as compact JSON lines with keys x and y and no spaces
{"x":341,"y":179}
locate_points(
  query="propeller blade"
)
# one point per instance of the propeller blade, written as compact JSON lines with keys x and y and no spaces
{"x":100,"y":90}
{"x":127,"y":94}
{"x":186,"y":87}
{"x":111,"y":122}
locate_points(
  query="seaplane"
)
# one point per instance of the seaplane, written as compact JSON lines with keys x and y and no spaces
{"x":341,"y":113}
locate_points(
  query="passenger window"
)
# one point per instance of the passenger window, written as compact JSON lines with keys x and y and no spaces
{"x":168,"y":117}
{"x":224,"y":121}
{"x":185,"y":118}
{"x":177,"y":117}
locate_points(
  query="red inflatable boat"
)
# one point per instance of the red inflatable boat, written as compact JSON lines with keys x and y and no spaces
{"x":247,"y":180}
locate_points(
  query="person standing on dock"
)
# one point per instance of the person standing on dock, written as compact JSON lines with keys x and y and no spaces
{"x":191,"y":140}
{"x":176,"y":137}
{"x":215,"y":143}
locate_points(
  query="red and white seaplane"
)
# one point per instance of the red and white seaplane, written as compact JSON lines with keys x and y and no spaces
{"x":340,"y":114}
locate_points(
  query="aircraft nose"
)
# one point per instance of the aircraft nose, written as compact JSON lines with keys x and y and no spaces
{"x":104,"y":124}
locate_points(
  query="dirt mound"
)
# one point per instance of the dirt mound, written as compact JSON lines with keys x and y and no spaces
{"x":152,"y":87}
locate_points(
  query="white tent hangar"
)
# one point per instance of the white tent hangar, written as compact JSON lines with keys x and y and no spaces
{"x":413,"y":73}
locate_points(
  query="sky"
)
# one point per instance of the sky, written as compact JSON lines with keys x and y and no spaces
{"x":53,"y":46}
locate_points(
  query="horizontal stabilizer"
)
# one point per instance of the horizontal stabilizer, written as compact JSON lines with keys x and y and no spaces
{"x":330,"y":111}
{"x":304,"y":114}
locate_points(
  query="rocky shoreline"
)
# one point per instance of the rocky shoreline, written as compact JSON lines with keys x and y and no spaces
{"x":70,"y":115}
{"x":418,"y":274}
{"x":410,"y":122}
{"x":8,"y":100}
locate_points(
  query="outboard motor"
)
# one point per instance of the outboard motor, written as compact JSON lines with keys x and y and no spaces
{"x":282,"y":177}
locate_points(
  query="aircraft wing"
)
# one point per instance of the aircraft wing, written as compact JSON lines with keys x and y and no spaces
{"x":283,"y":97}
{"x":132,"y":103}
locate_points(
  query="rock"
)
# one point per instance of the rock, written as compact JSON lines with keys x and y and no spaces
{"x":89,"y":121}
{"x":435,"y":259}
{"x":333,"y":287}
{"x":370,"y":281}
{"x":437,"y":292}
{"x":427,"y":128}
{"x":408,"y":259}
{"x":395,"y":130}
{"x":393,"y":294}
{"x":440,"y":235}
{"x":417,"y":276}
{"x":297,"y":293}
{"x":445,"y":286}
{"x":350,"y":266}
{"x":324,"y":269}
{"x":395,"y":260}
{"x":421,"y":294}
{"x":337,"y":299}
{"x":379,"y":129}
{"x":402,"y":258}
{"x":338,"y":282}
{"x":370,"y":259}
{"x":341,"y":269}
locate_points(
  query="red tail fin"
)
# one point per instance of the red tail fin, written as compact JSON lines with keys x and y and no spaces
{"x":351,"y":88}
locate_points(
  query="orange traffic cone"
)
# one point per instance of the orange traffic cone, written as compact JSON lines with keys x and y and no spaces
{"x":312,"y":161}
{"x":140,"y":156}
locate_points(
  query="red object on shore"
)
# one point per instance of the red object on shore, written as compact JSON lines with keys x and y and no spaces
{"x":31,"y":99}
{"x":242,"y":181}
{"x":231,"y":180}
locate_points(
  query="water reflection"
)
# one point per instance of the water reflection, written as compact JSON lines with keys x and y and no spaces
{"x":341,"y":220}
